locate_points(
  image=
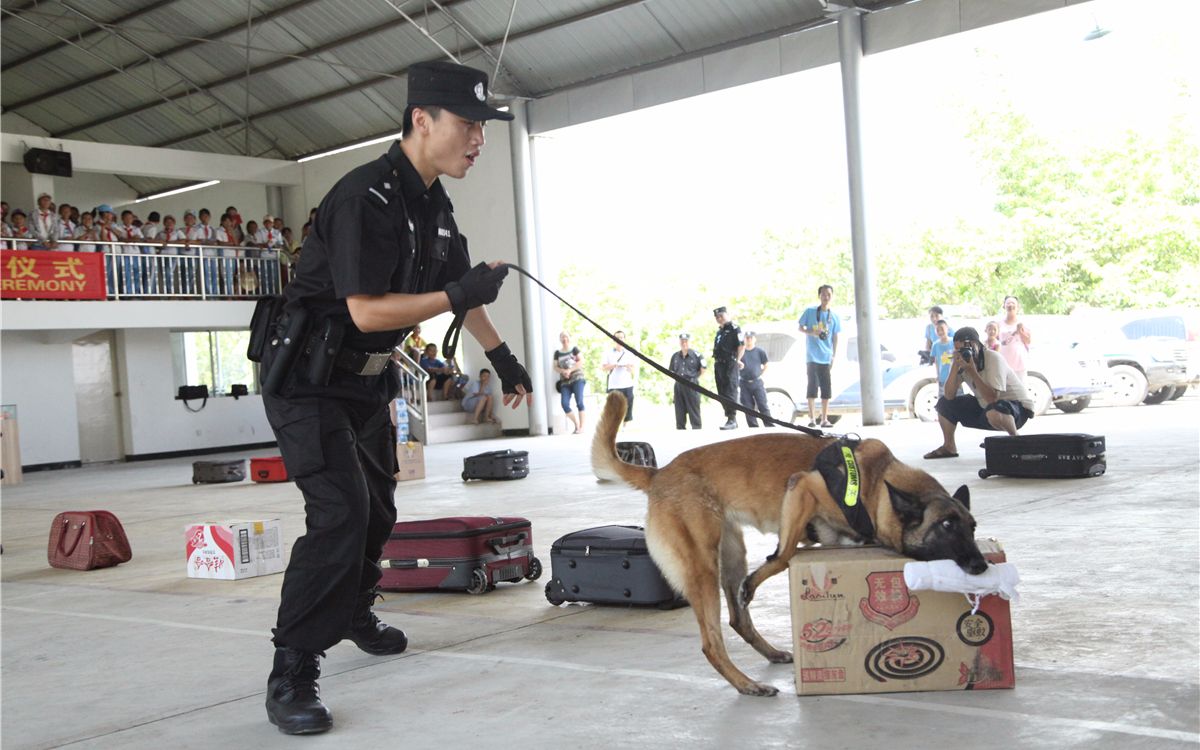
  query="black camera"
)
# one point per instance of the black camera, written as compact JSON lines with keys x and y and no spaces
{"x":823,"y":335}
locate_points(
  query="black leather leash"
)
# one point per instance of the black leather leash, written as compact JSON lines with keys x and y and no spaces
{"x":767,"y":420}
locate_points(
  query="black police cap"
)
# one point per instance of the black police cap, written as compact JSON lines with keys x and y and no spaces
{"x":719,"y":310}
{"x":458,"y":88}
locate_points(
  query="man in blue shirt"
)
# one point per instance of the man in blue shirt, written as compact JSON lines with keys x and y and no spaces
{"x":822,"y":327}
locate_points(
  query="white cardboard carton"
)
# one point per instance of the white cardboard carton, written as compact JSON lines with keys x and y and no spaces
{"x":234,"y":550}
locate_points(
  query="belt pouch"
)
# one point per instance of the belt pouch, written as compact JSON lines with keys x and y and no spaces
{"x":323,"y":351}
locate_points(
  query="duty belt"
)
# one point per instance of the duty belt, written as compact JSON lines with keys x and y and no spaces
{"x":360,"y":362}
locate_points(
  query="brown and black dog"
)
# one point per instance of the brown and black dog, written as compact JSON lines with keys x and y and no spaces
{"x":700,"y":501}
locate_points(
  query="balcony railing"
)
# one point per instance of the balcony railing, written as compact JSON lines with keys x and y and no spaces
{"x":176,"y":270}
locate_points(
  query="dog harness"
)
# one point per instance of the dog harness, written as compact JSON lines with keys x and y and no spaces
{"x":839,"y":469}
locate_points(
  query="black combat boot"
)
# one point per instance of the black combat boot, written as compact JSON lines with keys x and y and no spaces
{"x":371,"y":635}
{"x":293,"y":697}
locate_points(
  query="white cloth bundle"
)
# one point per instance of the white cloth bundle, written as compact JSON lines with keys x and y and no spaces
{"x":945,"y":575}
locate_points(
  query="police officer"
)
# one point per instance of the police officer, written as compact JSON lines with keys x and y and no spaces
{"x":383,"y":255}
{"x":750,"y":384}
{"x":727,"y":353}
{"x":689,"y":365}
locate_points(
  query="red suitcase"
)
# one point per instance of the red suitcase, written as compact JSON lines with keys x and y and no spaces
{"x":465,"y":553}
{"x":268,"y":469}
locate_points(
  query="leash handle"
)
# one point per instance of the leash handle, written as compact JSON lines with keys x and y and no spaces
{"x":767,"y":420}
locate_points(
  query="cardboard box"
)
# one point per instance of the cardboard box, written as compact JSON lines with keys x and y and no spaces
{"x":856,"y":627}
{"x":234,"y":550}
{"x":410,"y":457}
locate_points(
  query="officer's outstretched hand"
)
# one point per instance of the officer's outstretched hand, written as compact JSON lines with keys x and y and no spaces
{"x":514,"y":381}
{"x":477,"y":287}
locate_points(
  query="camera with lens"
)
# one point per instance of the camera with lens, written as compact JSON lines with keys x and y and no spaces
{"x":823,"y":335}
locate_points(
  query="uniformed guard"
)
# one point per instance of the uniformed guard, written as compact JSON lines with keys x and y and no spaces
{"x":689,"y":365}
{"x":383,"y":255}
{"x":727,"y":354}
{"x":750,"y":384}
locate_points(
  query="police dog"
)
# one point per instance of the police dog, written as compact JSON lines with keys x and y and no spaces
{"x":699,"y":502}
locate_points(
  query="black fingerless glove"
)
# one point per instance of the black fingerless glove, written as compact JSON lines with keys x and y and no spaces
{"x":477,"y":287}
{"x":509,"y":370}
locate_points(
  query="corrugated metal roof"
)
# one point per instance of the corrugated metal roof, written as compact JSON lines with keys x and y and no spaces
{"x":315,"y":74}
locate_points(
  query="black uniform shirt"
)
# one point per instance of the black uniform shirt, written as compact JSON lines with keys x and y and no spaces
{"x":378,"y":230}
{"x":690,"y":366}
{"x":729,"y":338}
{"x":753,"y":362}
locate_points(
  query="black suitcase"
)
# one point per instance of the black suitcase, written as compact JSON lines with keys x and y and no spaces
{"x":638,"y":454}
{"x":506,"y":464}
{"x":217,"y":472}
{"x":1044,"y":456}
{"x":607,"y":565}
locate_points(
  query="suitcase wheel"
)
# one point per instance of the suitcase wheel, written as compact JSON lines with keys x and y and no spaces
{"x":465,"y":477}
{"x":983,"y":474}
{"x":552,"y":594}
{"x":535,"y":570}
{"x":479,"y":582}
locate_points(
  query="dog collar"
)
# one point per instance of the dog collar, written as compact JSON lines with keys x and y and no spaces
{"x":839,"y":469}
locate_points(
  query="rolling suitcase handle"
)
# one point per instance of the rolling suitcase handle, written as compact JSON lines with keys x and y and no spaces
{"x":504,"y":543}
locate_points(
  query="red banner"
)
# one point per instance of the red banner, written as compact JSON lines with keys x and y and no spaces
{"x":41,"y":274}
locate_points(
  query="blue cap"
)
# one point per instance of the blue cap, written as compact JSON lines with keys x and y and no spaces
{"x":104,"y":208}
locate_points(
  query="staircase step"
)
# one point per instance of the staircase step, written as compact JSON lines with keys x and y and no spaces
{"x":461,"y":432}
{"x":444,"y":407}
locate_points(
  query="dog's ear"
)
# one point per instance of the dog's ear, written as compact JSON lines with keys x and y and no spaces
{"x":963,"y":495}
{"x":909,"y":508}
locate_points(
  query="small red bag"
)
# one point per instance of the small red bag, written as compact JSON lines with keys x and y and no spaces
{"x":86,"y":539}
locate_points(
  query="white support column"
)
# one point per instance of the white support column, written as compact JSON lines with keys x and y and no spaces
{"x":529,"y":259}
{"x":850,"y":52}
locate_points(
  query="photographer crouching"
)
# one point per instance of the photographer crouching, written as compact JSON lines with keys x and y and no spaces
{"x":1000,"y":401}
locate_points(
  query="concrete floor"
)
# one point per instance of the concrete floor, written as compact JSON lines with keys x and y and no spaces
{"x":1106,"y":637}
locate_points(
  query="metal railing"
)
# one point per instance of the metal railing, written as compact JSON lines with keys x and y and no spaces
{"x":412,"y":389}
{"x":142,"y":270}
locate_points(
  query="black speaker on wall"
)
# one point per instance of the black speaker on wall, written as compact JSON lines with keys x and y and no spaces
{"x":45,"y":161}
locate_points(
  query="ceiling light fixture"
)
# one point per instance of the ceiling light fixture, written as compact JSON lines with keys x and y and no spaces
{"x":351,"y":147}
{"x":177,"y":191}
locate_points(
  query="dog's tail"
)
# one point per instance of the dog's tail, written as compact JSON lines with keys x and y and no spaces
{"x":605,"y":462}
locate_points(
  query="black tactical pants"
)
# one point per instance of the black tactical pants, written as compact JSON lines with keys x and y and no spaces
{"x":339,"y":445}
{"x":727,"y":384}
{"x":754,"y":396}
{"x":687,"y":406}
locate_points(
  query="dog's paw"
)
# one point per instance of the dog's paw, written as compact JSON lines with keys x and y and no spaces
{"x":780,"y":657}
{"x":759,"y":690}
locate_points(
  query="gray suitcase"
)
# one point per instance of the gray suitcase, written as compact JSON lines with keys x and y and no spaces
{"x":608,"y":565}
{"x":218,"y":472}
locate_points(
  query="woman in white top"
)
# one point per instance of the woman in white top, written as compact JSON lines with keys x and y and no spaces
{"x":1014,"y":338}
{"x":620,"y":366}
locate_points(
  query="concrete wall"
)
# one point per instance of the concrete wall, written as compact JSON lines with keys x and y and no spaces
{"x":36,"y":375}
{"x":157,"y":423}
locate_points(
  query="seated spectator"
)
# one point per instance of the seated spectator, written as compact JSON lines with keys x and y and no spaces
{"x":441,"y":375}
{"x":414,"y":344}
{"x":1000,"y":401}
{"x":478,"y":399}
